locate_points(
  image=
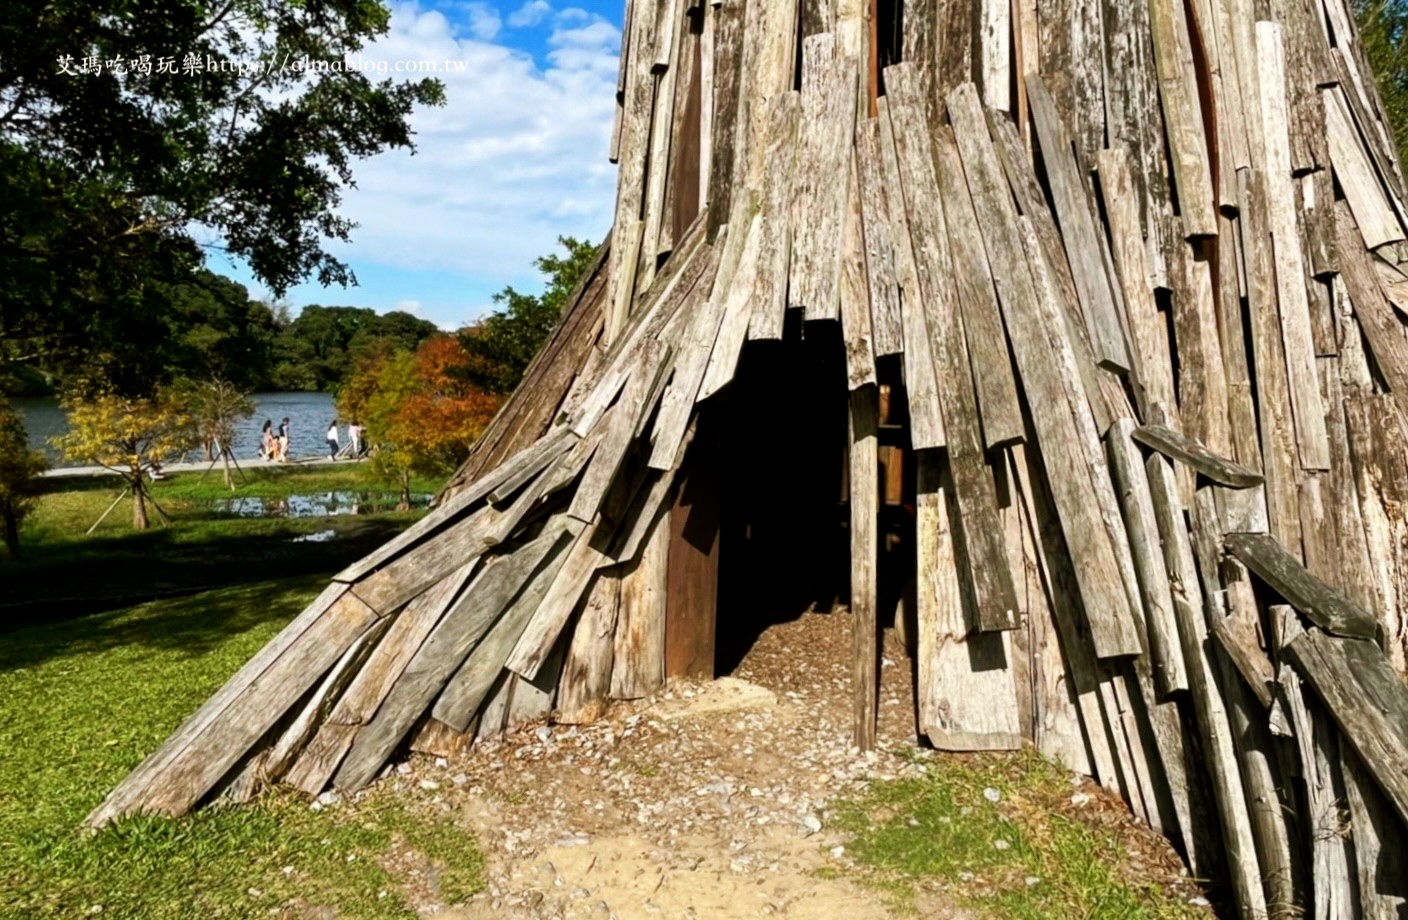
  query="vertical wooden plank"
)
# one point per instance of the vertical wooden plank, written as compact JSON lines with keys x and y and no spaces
{"x":775,"y":255}
{"x":995,"y":43}
{"x":726,"y":83}
{"x":692,"y":580}
{"x":854,"y":288}
{"x":586,"y":674}
{"x":887,"y":329}
{"x":638,"y":666}
{"x":1187,"y":138}
{"x":865,"y":515}
{"x":1294,"y":308}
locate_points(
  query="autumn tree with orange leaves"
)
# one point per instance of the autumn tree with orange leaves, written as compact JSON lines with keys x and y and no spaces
{"x":419,"y":409}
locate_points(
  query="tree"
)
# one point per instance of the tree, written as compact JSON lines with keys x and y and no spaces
{"x":18,"y":468}
{"x":126,"y":127}
{"x":218,"y":410}
{"x":420,"y":412}
{"x":504,"y":343}
{"x":127,"y":435}
{"x":1383,"y":27}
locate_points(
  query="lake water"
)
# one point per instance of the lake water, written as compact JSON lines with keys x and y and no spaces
{"x":308,"y":416}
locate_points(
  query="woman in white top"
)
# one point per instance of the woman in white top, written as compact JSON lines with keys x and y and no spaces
{"x":333,"y":444}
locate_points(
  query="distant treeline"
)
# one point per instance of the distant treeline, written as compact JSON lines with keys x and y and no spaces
{"x":212,"y":328}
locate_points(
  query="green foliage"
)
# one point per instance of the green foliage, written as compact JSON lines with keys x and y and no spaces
{"x":82,"y":702}
{"x":319,"y":349}
{"x":504,"y":343}
{"x":1024,"y":857}
{"x":1383,"y":28}
{"x":18,"y":468}
{"x":105,"y":175}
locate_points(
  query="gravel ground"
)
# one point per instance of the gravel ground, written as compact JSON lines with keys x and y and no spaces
{"x":707,"y":801}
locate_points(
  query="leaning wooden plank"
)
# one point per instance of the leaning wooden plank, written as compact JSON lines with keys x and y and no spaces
{"x":1186,"y":450}
{"x":489,"y":724}
{"x":1273,"y":401}
{"x":775,"y":252}
{"x":855,"y":290}
{"x":1326,"y":607}
{"x":1293,"y":306}
{"x":1331,"y":886}
{"x":926,"y":421}
{"x":828,"y":124}
{"x":1027,"y":316}
{"x":677,"y":404}
{"x":737,"y":309}
{"x":410,"y":575}
{"x":865,"y":556}
{"x":617,"y":437}
{"x":995,"y":599}
{"x":518,"y":469}
{"x":1202,"y":381}
{"x":1381,"y":481}
{"x":1383,"y":330}
{"x":1382,"y":865}
{"x":127,"y":795}
{"x":976,"y":300}
{"x":1173,"y":58}
{"x":373,"y":682}
{"x":638,"y":663}
{"x":199,"y":766}
{"x":481,"y":604}
{"x":1166,"y":655}
{"x":464,"y":692}
{"x":1154,"y":367}
{"x":557,"y":605}
{"x":1367,"y":700}
{"x":887,"y":330}
{"x":1356,"y":175}
{"x":1208,"y":704}
{"x":534,"y":700}
{"x":1078,"y":232}
{"x":587,"y":671}
{"x":967,"y":701}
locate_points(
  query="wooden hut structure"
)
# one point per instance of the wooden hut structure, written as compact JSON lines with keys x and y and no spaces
{"x":1098,"y":311}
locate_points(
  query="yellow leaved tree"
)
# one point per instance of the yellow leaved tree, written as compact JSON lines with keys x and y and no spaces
{"x":128,"y":435}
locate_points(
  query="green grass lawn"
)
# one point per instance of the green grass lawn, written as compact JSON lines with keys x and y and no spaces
{"x":65,"y":572}
{"x":83,"y":701}
{"x":1029,"y":855}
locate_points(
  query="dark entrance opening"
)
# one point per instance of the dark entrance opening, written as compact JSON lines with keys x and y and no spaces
{"x":784,"y":488}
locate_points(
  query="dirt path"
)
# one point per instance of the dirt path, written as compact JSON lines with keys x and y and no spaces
{"x":704,"y":802}
{"x":707,"y":802}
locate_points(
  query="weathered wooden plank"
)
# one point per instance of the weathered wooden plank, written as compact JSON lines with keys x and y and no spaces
{"x":1031,"y":321}
{"x":1187,"y":138}
{"x":1165,"y":653}
{"x":1208,"y":703}
{"x":557,"y":605}
{"x":925,"y":420}
{"x":828,"y":125}
{"x":464,"y":693}
{"x":856,"y":330}
{"x":1186,"y":450}
{"x":887,"y":329}
{"x":1274,"y":418}
{"x":995,"y":52}
{"x":1382,"y":328}
{"x":692,"y":582}
{"x":1152,"y":362}
{"x":128,"y":795}
{"x":1202,"y":384}
{"x":1381,"y":481}
{"x":1382,"y":867}
{"x":1078,"y":233}
{"x":1356,"y":175}
{"x":638,"y":662}
{"x":617,"y":436}
{"x":725,"y":87}
{"x":967,"y":700}
{"x":1293,"y":306}
{"x":737,"y":308}
{"x":775,"y":252}
{"x":976,"y":300}
{"x":1325,"y":606}
{"x":587,"y":672}
{"x":494,"y":587}
{"x":373,"y":682}
{"x":865,"y":557}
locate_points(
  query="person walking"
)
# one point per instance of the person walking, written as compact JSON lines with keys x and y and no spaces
{"x":268,"y":444}
{"x":283,"y":440}
{"x":333,"y":444}
{"x":354,"y":434}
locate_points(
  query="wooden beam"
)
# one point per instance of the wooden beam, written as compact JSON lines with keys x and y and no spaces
{"x":1326,"y":607}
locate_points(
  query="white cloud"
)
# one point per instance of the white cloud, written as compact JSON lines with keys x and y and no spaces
{"x":529,"y":14}
{"x":412,"y":307}
{"x":517,"y":156}
{"x":484,"y":22}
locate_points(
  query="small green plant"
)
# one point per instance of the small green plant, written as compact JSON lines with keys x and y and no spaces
{"x":19,"y":493}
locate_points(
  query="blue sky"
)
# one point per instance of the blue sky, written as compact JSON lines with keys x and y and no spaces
{"x":515,"y":158}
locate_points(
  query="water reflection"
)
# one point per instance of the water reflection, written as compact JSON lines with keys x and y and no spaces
{"x":322,"y":504}
{"x":321,"y":536}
